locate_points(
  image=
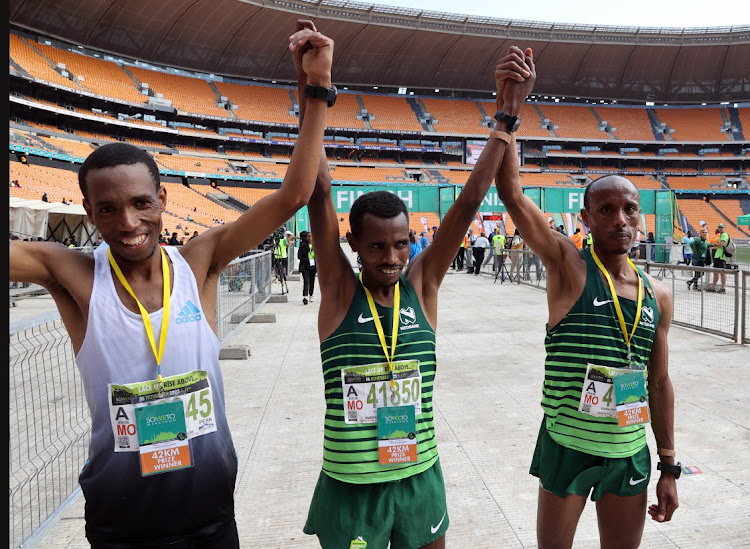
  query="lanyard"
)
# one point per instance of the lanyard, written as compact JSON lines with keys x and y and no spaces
{"x":618,"y":309}
{"x":144,"y":314}
{"x":379,"y":326}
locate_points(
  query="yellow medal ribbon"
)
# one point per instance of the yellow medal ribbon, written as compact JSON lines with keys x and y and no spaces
{"x":379,"y":325}
{"x":618,"y":309}
{"x":144,"y":314}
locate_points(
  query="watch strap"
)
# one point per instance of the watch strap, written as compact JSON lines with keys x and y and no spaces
{"x":502,"y":136}
{"x":675,"y":469}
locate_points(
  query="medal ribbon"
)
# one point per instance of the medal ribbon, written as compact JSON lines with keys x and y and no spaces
{"x":618,"y":309}
{"x":379,"y":325}
{"x":144,"y":314}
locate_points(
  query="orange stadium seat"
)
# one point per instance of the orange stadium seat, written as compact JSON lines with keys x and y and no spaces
{"x":694,"y":182}
{"x":98,"y":76}
{"x":628,"y":123}
{"x":344,"y":112}
{"x":191,"y":95}
{"x":246,"y":195}
{"x":572,"y":121}
{"x":731,"y":209}
{"x":36,"y":180}
{"x":391,"y":113}
{"x":259,"y":103}
{"x":456,"y":116}
{"x":694,"y":124}
{"x":31,"y":60}
{"x":696,"y":210}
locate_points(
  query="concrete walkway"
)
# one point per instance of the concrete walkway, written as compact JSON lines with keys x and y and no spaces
{"x":487,"y":413}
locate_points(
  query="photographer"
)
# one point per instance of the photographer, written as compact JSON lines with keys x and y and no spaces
{"x":307,"y":267}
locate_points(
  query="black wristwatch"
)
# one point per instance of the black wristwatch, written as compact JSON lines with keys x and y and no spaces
{"x":675,"y":469}
{"x":512,"y":121}
{"x":313,"y":91}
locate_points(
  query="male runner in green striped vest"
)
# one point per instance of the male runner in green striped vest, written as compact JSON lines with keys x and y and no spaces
{"x":381,"y":481}
{"x":607,"y":319}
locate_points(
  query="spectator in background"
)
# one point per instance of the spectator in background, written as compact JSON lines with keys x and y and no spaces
{"x":720,"y":260}
{"x":551,"y":221}
{"x":701,"y":257}
{"x":423,"y":240}
{"x":650,"y":241}
{"x":516,"y":256}
{"x":414,"y":246}
{"x":195,"y":233}
{"x":480,"y":246}
{"x":44,"y":197}
{"x":470,"y":251}
{"x":434,"y":231}
{"x":635,"y":251}
{"x":173,"y":240}
{"x":307,"y":266}
{"x":458,"y":261}
{"x":687,"y":250}
{"x":577,"y":238}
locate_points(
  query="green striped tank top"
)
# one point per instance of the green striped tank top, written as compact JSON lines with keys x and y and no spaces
{"x":590,"y":333}
{"x":350,"y":450}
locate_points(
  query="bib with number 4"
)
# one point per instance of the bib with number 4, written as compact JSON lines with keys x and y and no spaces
{"x":368,"y":387}
{"x":192,"y":388}
{"x":598,"y":396}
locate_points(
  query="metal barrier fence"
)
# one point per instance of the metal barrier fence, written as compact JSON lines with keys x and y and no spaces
{"x":726,"y":314}
{"x":49,"y":424}
{"x":49,"y":420}
{"x":244,"y":286}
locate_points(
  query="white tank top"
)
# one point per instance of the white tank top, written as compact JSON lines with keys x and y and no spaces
{"x":116,"y":349}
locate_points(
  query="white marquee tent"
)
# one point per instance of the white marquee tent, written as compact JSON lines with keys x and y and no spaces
{"x":51,"y":221}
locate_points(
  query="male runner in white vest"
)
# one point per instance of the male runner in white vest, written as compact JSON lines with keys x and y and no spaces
{"x":381,"y":481}
{"x":607,"y":320}
{"x":142,"y":322}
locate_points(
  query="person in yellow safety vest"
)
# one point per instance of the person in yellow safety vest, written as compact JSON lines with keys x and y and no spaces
{"x":498,"y":247}
{"x":589,"y":239}
{"x":577,"y":239}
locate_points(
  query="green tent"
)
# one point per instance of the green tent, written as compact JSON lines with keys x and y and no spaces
{"x":743,"y":219}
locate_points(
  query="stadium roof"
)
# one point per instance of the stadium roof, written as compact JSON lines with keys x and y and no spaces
{"x":387,"y":46}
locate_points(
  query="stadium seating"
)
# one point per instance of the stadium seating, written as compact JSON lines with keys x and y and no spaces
{"x":627,"y":123}
{"x":36,"y":180}
{"x":576,"y":122}
{"x":391,"y":113}
{"x":97,"y":76}
{"x":694,"y":124}
{"x":696,"y":210}
{"x":32,"y":62}
{"x":695,"y":183}
{"x":456,"y":116}
{"x":344,"y":112}
{"x":259,"y":103}
{"x":191,"y":95}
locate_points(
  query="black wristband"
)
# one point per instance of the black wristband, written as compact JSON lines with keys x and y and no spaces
{"x":675,"y":469}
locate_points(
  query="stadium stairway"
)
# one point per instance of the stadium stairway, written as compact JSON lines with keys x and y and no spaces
{"x":218,"y":98}
{"x":656,"y":123}
{"x":73,"y":82}
{"x":734,"y":117}
{"x":19,"y":69}
{"x":419,"y":111}
{"x":541,"y":118}
{"x":484,"y":114}
{"x":601,"y":122}
{"x":732,"y":222}
{"x":362,"y":110}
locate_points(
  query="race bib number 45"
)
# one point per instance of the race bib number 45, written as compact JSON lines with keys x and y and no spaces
{"x":366,"y":388}
{"x":192,"y":388}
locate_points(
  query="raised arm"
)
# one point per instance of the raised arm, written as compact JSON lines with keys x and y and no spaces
{"x":336,"y":279}
{"x":232,"y":239}
{"x":427,"y":270}
{"x":661,"y":403}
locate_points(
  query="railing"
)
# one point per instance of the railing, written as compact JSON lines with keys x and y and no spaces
{"x":49,"y":424}
{"x":49,"y":421}
{"x":726,"y":314}
{"x":244,"y":286}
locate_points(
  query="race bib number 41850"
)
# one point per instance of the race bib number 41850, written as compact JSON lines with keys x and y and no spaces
{"x":367,"y":388}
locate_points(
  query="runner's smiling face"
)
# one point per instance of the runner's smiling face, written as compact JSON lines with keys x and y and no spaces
{"x":125,"y":204}
{"x":383,"y":248}
{"x":613,"y":215}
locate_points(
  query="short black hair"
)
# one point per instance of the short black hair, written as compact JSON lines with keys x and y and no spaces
{"x":116,"y":154}
{"x":382,"y":204}
{"x":588,"y":187}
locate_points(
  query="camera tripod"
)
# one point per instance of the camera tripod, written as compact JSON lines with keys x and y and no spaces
{"x":502,"y":270}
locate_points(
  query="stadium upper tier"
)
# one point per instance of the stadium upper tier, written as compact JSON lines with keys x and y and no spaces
{"x":388,"y":46}
{"x":237,"y":103}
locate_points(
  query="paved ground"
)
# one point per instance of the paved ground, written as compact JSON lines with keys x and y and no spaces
{"x":487,"y":413}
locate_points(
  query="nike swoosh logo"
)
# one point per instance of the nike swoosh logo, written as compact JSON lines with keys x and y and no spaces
{"x":634,"y":482}
{"x":363,"y":319}
{"x":434,"y":529}
{"x":598,"y":303}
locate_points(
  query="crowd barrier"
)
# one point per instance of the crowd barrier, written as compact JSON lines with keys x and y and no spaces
{"x":724,"y":314}
{"x":49,"y":422}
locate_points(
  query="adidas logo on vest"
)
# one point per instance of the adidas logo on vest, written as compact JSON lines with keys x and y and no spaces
{"x":189,"y":313}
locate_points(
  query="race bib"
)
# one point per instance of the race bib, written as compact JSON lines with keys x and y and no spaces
{"x":368,"y":387}
{"x":162,"y":437}
{"x":598,"y":396}
{"x":631,"y":399}
{"x":312,"y":262}
{"x":192,"y":388}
